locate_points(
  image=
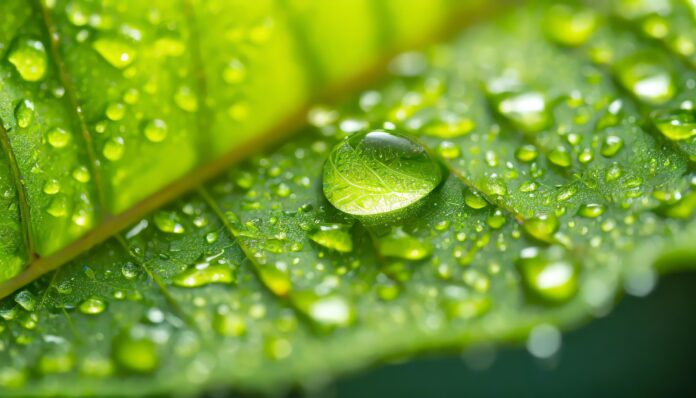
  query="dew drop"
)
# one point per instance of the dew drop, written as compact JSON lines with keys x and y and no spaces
{"x":114,"y":148}
{"x":92,"y":306}
{"x":378,"y":172}
{"x":548,"y":276}
{"x":647,"y":79}
{"x":611,"y":145}
{"x":560,"y":157}
{"x":676,"y":125}
{"x":115,"y":51}
{"x":186,"y":99}
{"x":474,"y":200}
{"x":155,"y":130}
{"x":58,"y":137}
{"x":24,"y":113}
{"x":195,"y":277}
{"x":526,"y":153}
{"x":526,"y":110}
{"x":135,"y":353}
{"x":570,"y":26}
{"x":334,"y":236}
{"x":29,"y":58}
{"x":115,"y":111}
{"x":541,"y":227}
{"x":400,"y":244}
{"x":234,"y":72}
{"x":169,"y":222}
{"x":591,"y":210}
{"x":51,"y":187}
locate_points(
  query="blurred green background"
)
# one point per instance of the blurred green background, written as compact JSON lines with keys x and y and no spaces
{"x":646,"y":347}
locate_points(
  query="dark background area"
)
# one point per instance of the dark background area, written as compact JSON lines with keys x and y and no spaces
{"x":646,"y":347}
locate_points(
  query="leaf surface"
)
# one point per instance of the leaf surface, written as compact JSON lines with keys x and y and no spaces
{"x":559,"y":192}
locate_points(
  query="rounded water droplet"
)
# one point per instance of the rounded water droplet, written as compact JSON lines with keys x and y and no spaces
{"x":229,"y":324}
{"x":234,"y":72}
{"x":186,"y":99}
{"x":92,"y":306}
{"x":448,"y":150}
{"x":570,"y":26}
{"x":560,"y":157}
{"x":526,"y":110}
{"x":29,"y":58}
{"x":648,"y":79}
{"x":526,"y":153}
{"x":334,"y":236}
{"x":474,"y":200}
{"x":378,"y":172}
{"x":81,"y":174}
{"x":547,"y":275}
{"x":58,"y":206}
{"x":676,"y":125}
{"x":155,"y":130}
{"x":542,"y":226}
{"x":58,"y":137}
{"x":114,"y":148}
{"x":168,"y":222}
{"x":24,"y":113}
{"x":115,"y":111}
{"x":400,"y":244}
{"x":51,"y":187}
{"x":115,"y":51}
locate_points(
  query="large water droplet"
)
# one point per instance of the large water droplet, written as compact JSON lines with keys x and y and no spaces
{"x":646,"y":78}
{"x":24,"y":113}
{"x":92,"y":306}
{"x":334,"y":236}
{"x":29,"y":58}
{"x":400,"y":244}
{"x":378,"y":172}
{"x":542,"y":226}
{"x":115,"y":51}
{"x":676,"y":125}
{"x":135,"y":352}
{"x":548,"y":276}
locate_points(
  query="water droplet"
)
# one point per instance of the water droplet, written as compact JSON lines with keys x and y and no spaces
{"x":676,"y":125}
{"x":169,"y":222}
{"x":378,"y":172}
{"x":611,"y":145}
{"x":195,"y":277}
{"x":115,"y":51}
{"x":58,"y":137}
{"x":26,"y":300}
{"x":560,"y":157}
{"x":51,"y":187}
{"x":229,"y":324}
{"x":646,"y":78}
{"x":92,"y":306}
{"x":526,"y":153}
{"x":591,"y":210}
{"x":135,"y":353}
{"x":570,"y":26}
{"x":448,"y":150}
{"x":401,"y":245}
{"x":130,"y":270}
{"x":548,"y":276}
{"x":474,"y":200}
{"x":526,"y":110}
{"x":334,"y":311}
{"x":155,"y":130}
{"x":334,"y":236}
{"x":24,"y":113}
{"x":58,"y":206}
{"x":450,"y":128}
{"x":542,"y":226}
{"x":115,"y":111}
{"x":186,"y":99}
{"x":234,"y":72}
{"x":29,"y":58}
{"x":81,"y":174}
{"x":114,"y":148}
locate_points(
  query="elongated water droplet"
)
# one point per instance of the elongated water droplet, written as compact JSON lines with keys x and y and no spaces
{"x":591,"y":210}
{"x":29,"y":58}
{"x":677,"y":125}
{"x":24,"y":113}
{"x":378,"y":172}
{"x":401,"y":245}
{"x":195,"y":277}
{"x":115,"y":51}
{"x":334,"y":236}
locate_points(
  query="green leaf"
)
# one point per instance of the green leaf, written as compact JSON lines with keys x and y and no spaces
{"x":561,"y":193}
{"x":110,"y":110}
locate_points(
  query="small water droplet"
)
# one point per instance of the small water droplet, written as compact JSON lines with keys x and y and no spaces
{"x":155,"y":130}
{"x":611,"y":145}
{"x":542,"y":226}
{"x":591,"y":210}
{"x":400,"y":244}
{"x":135,"y":353}
{"x":92,"y":306}
{"x":58,"y":137}
{"x":115,"y":51}
{"x":169,"y":222}
{"x":24,"y":113}
{"x":548,"y":276}
{"x":334,"y":236}
{"x":570,"y":26}
{"x":114,"y":148}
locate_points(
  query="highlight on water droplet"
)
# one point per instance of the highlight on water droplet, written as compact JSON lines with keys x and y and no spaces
{"x":58,"y":137}
{"x":115,"y":51}
{"x":92,"y":306}
{"x":155,"y":130}
{"x":378,"y":172}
